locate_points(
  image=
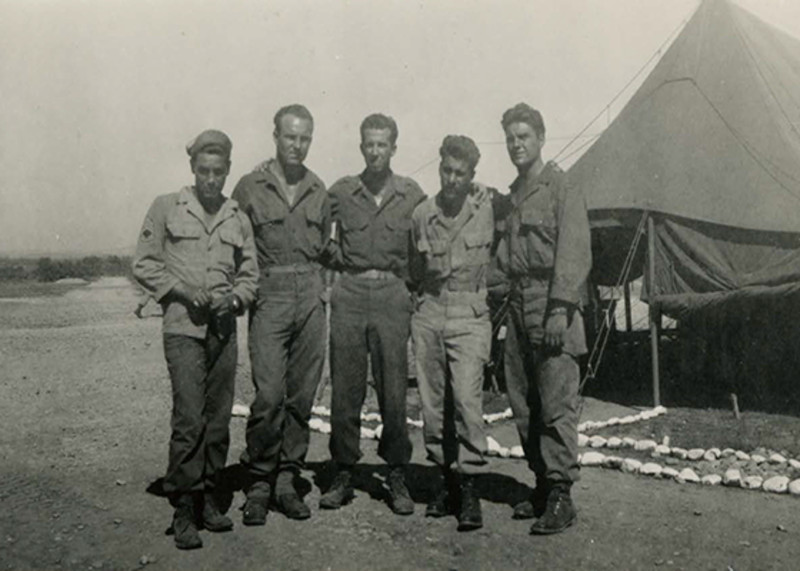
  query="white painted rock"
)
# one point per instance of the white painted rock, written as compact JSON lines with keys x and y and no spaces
{"x":321,"y":410}
{"x":367,"y":433}
{"x":647,"y":414}
{"x":517,"y":452}
{"x":597,"y":441}
{"x":711,"y":480}
{"x":325,"y":428}
{"x":661,"y":450}
{"x":776,"y":485}
{"x":777,"y":459}
{"x":794,"y":487}
{"x":630,"y":419}
{"x":758,"y":458}
{"x":679,"y":453}
{"x":794,"y":463}
{"x":688,"y":475}
{"x":612,"y":462}
{"x":669,"y":472}
{"x":727,"y":452}
{"x":695,"y":453}
{"x":378,"y":432}
{"x":583,"y":440}
{"x":592,"y":459}
{"x":582,"y":427}
{"x":660,"y":409}
{"x":740,"y":455}
{"x":240,"y":410}
{"x":752,"y":482}
{"x":315,"y":423}
{"x":492,"y":446}
{"x":631,"y":465}
{"x":665,"y":441}
{"x":733,"y":478}
{"x":628,"y":442}
{"x":614,"y":442}
{"x":373,"y":417}
{"x":711,"y":455}
{"x":505,"y":452}
{"x":613,"y":421}
{"x":651,"y":469}
{"x":645,"y":445}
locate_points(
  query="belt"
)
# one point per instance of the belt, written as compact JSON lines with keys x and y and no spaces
{"x":527,"y":280}
{"x":300,"y":268}
{"x":373,"y":274}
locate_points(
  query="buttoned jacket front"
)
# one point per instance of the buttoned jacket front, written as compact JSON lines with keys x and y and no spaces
{"x":285,"y":233}
{"x":176,"y":245}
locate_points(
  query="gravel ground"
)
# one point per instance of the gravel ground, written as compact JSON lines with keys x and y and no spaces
{"x":84,"y":398}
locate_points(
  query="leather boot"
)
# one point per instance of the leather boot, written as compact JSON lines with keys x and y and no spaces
{"x":213,"y":519}
{"x":559,"y":514}
{"x":256,"y":506}
{"x":399,"y":497}
{"x":469,"y":515}
{"x":341,"y":490}
{"x":534,"y":506}
{"x":184,"y":526}
{"x":447,"y":499}
{"x":287,"y":499}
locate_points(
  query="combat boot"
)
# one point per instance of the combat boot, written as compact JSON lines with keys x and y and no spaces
{"x":559,"y":514}
{"x":340,"y":492}
{"x":256,"y":506}
{"x":469,"y":514}
{"x":447,"y":499}
{"x":399,"y":497}
{"x":287,"y":499}
{"x":533,"y":507}
{"x":184,"y":526}
{"x":213,"y":519}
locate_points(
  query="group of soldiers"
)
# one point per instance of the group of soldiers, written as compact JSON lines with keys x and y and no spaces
{"x":391,"y":263}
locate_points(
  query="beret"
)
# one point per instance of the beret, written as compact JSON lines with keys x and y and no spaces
{"x":208,"y":140}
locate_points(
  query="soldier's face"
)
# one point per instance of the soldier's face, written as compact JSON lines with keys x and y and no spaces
{"x":377,"y":149}
{"x":293,"y":139}
{"x":455,"y":176}
{"x":210,"y":172}
{"x":524,"y":144}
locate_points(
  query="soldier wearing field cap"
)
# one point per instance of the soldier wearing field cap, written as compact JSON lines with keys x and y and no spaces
{"x":452,"y":238}
{"x":288,"y":206}
{"x":371,"y":311}
{"x":196,"y":257}
{"x":546,"y":255}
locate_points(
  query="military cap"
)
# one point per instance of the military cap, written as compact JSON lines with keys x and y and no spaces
{"x":210,"y":140}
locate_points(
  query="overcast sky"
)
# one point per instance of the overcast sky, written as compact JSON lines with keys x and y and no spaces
{"x":99,"y":97}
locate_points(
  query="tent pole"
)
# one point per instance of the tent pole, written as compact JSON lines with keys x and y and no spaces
{"x":654,"y":313}
{"x":628,"y":320}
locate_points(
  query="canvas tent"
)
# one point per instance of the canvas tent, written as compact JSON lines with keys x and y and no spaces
{"x":709,"y":149}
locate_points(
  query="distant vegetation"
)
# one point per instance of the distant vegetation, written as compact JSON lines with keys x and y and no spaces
{"x":49,"y":269}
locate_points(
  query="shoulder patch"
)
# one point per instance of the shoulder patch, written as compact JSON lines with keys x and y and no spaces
{"x":147,"y":231}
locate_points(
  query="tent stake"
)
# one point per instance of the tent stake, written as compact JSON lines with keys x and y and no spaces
{"x":654,"y":313}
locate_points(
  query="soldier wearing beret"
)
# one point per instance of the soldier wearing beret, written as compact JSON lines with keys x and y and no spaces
{"x":288,"y":206}
{"x":546,"y":255}
{"x":371,"y":310}
{"x":452,"y":239}
{"x":196,"y":257}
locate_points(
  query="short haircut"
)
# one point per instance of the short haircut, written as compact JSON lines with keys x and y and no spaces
{"x":299,"y":111}
{"x":524,"y":113}
{"x":461,"y":148}
{"x":380,"y":121}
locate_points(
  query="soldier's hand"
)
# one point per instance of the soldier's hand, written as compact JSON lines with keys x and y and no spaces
{"x":225,"y":305}
{"x":555,"y":330}
{"x":196,"y":298}
{"x":200,"y":298}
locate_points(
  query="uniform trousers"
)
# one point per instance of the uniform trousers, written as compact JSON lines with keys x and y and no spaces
{"x":202,"y":373}
{"x":369,"y":317}
{"x":287,"y":352}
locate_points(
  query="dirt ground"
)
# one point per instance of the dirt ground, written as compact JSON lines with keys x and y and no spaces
{"x":85,"y":402}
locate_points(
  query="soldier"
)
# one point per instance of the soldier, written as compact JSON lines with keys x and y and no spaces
{"x":289,"y":209}
{"x":197,"y":258}
{"x":371,"y":310}
{"x":453,"y":234}
{"x":546,"y":255}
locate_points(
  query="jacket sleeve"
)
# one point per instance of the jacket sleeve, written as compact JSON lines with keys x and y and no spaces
{"x":573,"y":255}
{"x":246,"y":281}
{"x":149,"y":268}
{"x":416,"y":259}
{"x":332,"y":255}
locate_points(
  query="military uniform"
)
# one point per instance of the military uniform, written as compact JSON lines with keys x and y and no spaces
{"x":287,"y":326}
{"x":546,"y":254}
{"x":177,"y":245}
{"x":451,"y":327}
{"x":370,"y":313}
